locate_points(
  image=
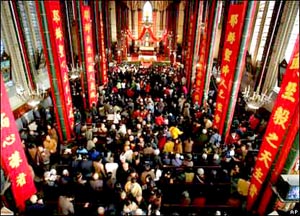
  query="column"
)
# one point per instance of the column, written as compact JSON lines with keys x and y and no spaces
{"x":57,"y":97}
{"x":113,"y":25}
{"x":180,"y":22}
{"x":261,"y":27}
{"x":10,"y":37}
{"x":281,"y":42}
{"x":240,"y":66}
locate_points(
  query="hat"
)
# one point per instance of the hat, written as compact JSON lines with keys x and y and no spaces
{"x":101,"y":210}
{"x":216,"y":157}
{"x":218,"y":213}
{"x":200,"y":171}
{"x":177,"y":155}
{"x":204,"y":131}
{"x":65,"y":172}
{"x":156,"y":152}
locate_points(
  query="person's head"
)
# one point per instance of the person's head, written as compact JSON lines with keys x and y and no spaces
{"x":200,"y":171}
{"x":33,"y":199}
{"x":125,"y":166}
{"x":48,"y":137}
{"x":65,"y":172}
{"x":123,"y":195}
{"x":101,"y":210}
{"x":216,"y":156}
{"x":41,"y":148}
{"x":138,"y":212}
{"x":96,"y":176}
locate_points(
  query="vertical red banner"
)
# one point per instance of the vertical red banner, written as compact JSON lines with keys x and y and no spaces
{"x":103,"y":60}
{"x":189,"y":51}
{"x":287,"y":103}
{"x":233,"y":33}
{"x":200,"y":71}
{"x":89,"y":53}
{"x":56,"y":24}
{"x":13,"y":158}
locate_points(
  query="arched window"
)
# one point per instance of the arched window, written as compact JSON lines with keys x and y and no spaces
{"x":2,"y":47}
{"x":147,"y":12}
{"x":292,"y":40}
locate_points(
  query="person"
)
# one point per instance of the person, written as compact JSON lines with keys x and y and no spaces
{"x":200,"y":176}
{"x":52,"y":133}
{"x":43,"y":159}
{"x":50,"y":144}
{"x":177,"y":160}
{"x":188,"y":145}
{"x":65,"y":205}
{"x":36,"y":207}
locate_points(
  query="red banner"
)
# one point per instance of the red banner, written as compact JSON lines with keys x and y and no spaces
{"x":56,"y":24}
{"x":233,"y":33}
{"x":287,"y":103}
{"x":13,"y":158}
{"x":200,"y":71}
{"x":281,"y":161}
{"x":103,"y":60}
{"x":89,"y":53}
{"x":189,"y":50}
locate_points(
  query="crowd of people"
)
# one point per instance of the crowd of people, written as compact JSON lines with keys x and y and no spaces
{"x":142,"y":136}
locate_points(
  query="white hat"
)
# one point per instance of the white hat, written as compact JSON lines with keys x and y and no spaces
{"x":204,"y":131}
{"x":218,"y":213}
{"x":139,"y":212}
{"x":65,"y":172}
{"x":156,"y":151}
{"x":204,"y":156}
{"x":177,"y":155}
{"x":200,"y":171}
{"x":101,"y":210}
{"x":216,"y":157}
{"x":33,"y":198}
{"x":53,"y":172}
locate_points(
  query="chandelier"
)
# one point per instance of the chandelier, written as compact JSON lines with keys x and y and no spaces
{"x":74,"y":73}
{"x":254,"y":100}
{"x":31,"y":97}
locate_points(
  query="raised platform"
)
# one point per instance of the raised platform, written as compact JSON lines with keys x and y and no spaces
{"x":146,"y":48}
{"x":147,"y":58}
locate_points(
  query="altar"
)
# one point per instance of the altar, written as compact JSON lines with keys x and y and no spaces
{"x":147,"y":54}
{"x":147,"y":58}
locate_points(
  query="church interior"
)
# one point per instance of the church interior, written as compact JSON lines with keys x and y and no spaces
{"x":173,"y":107}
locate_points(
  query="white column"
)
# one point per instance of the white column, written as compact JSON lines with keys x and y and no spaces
{"x":112,"y":6}
{"x":180,"y":22}
{"x":281,"y":42}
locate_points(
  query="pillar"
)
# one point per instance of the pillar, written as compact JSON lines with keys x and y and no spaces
{"x":281,"y":42}
{"x":57,"y":97}
{"x":240,"y":66}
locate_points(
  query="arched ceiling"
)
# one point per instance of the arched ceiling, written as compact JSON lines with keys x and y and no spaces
{"x":157,"y":5}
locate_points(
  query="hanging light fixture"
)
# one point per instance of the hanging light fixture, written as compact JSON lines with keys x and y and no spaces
{"x":75,"y":73}
{"x":32,"y":97}
{"x":254,"y":99}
